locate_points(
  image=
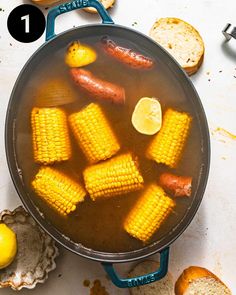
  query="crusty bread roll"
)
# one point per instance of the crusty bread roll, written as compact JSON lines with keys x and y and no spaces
{"x":163,"y":287}
{"x":106,"y":3}
{"x":181,"y":40}
{"x":45,"y":2}
{"x":200,"y":281}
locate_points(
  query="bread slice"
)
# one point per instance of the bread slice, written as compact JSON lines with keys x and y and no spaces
{"x":181,"y":40}
{"x":163,"y":287}
{"x":45,"y":2}
{"x":200,"y":281}
{"x":106,"y":3}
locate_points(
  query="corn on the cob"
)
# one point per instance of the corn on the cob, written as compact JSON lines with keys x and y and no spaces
{"x":116,"y":176}
{"x":94,"y":134}
{"x":167,"y":146}
{"x":51,"y":141}
{"x":59,"y":191}
{"x":148,"y":214}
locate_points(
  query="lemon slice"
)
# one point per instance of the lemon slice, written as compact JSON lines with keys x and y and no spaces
{"x":8,"y":246}
{"x":147,"y":116}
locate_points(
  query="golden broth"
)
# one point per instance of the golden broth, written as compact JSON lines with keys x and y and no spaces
{"x":99,"y":225}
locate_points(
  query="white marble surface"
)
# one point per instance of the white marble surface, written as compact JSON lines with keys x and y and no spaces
{"x":210,"y":240}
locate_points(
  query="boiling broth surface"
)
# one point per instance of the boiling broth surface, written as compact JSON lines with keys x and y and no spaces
{"x":99,"y":225}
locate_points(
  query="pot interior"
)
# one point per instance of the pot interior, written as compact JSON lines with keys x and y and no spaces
{"x":100,"y":228}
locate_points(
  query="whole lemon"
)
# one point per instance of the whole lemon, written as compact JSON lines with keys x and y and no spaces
{"x":8,"y":245}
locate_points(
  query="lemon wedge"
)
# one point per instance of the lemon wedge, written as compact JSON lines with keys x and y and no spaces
{"x":147,"y":116}
{"x":8,"y":246}
{"x":79,"y":55}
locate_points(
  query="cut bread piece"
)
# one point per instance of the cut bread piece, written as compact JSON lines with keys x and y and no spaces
{"x":45,"y":2}
{"x":106,"y":3}
{"x":163,"y":287}
{"x":200,"y":281}
{"x":181,"y":40}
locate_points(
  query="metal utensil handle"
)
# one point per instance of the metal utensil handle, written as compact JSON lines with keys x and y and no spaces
{"x":73,"y":5}
{"x":141,"y":280}
{"x":229,"y":31}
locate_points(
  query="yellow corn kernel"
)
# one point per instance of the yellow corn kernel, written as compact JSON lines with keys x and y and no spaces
{"x":117,"y":176}
{"x":59,"y":191}
{"x":148,"y":214}
{"x":94,"y":134}
{"x":167,"y":146}
{"x":50,"y":133}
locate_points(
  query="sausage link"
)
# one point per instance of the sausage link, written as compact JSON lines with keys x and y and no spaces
{"x":126,"y":56}
{"x":179,"y":186}
{"x":97,"y":88}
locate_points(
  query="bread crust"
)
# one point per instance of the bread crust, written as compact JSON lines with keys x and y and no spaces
{"x":192,"y":70}
{"x":106,"y":3}
{"x":45,"y":2}
{"x":158,"y":25}
{"x":189,"y":275}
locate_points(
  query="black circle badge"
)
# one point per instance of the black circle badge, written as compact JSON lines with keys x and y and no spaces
{"x":26,"y":23}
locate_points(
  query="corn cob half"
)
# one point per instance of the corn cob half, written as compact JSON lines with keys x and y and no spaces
{"x":94,"y":134}
{"x":59,"y":191}
{"x":148,"y":214}
{"x":167,"y":146}
{"x":119,"y":175}
{"x":50,"y":133}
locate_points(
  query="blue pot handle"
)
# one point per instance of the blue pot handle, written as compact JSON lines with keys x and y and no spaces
{"x":69,"y":6}
{"x":141,"y":280}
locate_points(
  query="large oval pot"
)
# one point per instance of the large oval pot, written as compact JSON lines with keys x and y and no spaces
{"x":176,"y":74}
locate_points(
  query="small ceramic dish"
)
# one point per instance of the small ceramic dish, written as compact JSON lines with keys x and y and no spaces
{"x":36,"y":252}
